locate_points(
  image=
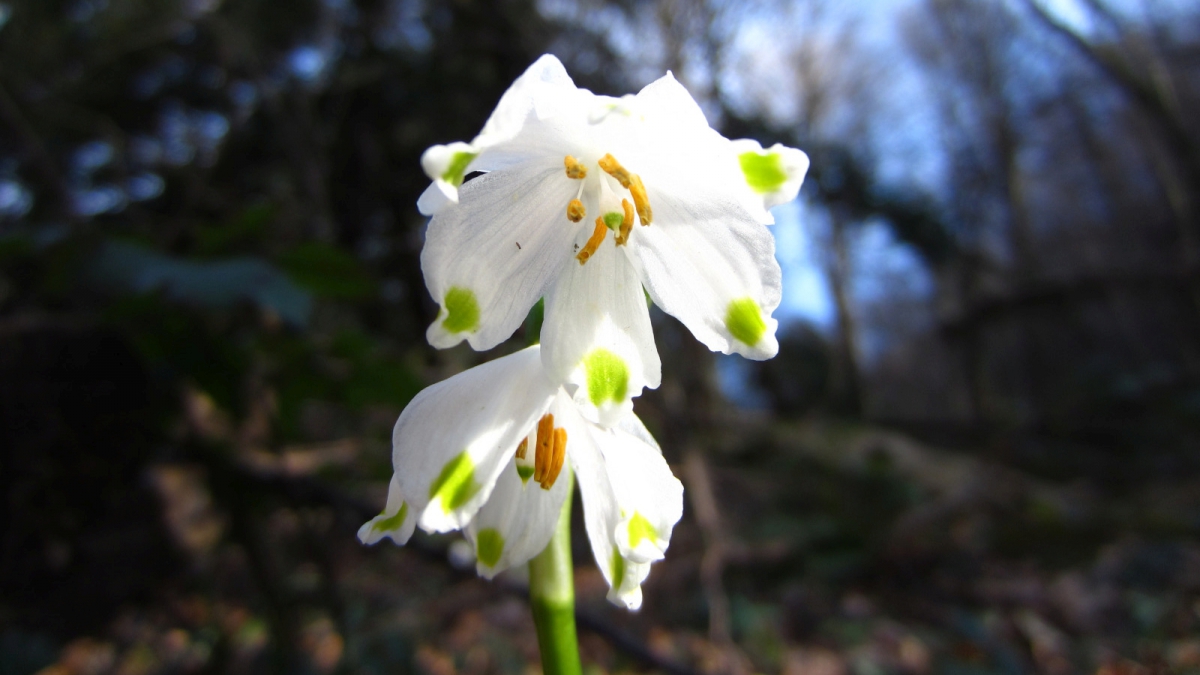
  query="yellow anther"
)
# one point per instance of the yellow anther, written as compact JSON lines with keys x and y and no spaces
{"x":545,"y":447}
{"x":631,"y":182}
{"x":556,"y":463}
{"x":575,"y":211}
{"x":593,"y":243}
{"x":522,"y":448}
{"x":575,"y":168}
{"x":638,"y":192}
{"x":613,"y":168}
{"x":626,"y":223}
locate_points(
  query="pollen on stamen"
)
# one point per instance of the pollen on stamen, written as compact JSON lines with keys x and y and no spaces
{"x":575,"y":211}
{"x":613,"y":168}
{"x":626,"y":223}
{"x":544,"y":452}
{"x":593,"y":243}
{"x":559,"y":456}
{"x":575,"y":168}
{"x":638,"y":192}
{"x":522,"y":448}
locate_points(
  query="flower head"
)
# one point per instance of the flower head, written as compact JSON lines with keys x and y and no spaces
{"x":486,"y":450}
{"x":591,"y":200}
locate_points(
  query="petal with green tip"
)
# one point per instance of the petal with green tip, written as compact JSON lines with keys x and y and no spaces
{"x":488,"y":546}
{"x":456,"y":437}
{"x":692,"y":273}
{"x":462,"y":310}
{"x":764,"y":172}
{"x":743,"y":320}
{"x":521,"y":516}
{"x":597,"y":336}
{"x":396,"y":522}
{"x":456,"y":484}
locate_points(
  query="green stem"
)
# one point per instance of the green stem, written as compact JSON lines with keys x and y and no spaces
{"x":552,"y":595}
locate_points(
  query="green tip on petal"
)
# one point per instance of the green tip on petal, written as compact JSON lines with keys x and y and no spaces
{"x":462,"y":310}
{"x":617,"y":569}
{"x":393,"y":522}
{"x":607,"y":376}
{"x":525,"y":472}
{"x":488,"y":546}
{"x":639,"y":529}
{"x":456,"y":483}
{"x":764,"y":173}
{"x":613,"y":220}
{"x":744,"y":321}
{"x":458,"y":166}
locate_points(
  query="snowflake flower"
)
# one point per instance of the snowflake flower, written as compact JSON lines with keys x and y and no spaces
{"x":593,"y":198}
{"x":484,"y":452}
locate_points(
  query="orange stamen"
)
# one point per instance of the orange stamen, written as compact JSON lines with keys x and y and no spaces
{"x":626,"y":223}
{"x":575,"y":168}
{"x":638,"y":192}
{"x":545,"y":447}
{"x":560,"y":454}
{"x":593,"y":243}
{"x":522,"y":448}
{"x":613,"y":168}
{"x":575,"y":211}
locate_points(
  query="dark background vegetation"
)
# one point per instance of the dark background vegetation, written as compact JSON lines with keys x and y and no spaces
{"x":211,"y":313}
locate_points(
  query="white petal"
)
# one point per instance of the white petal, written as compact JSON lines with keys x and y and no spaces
{"x":667,"y":101}
{"x":669,"y":143}
{"x":632,"y":425}
{"x":778,"y":173}
{"x":551,"y":138}
{"x":710,"y":264}
{"x":445,"y":165}
{"x":517,"y":521}
{"x":488,"y":260}
{"x":601,"y":514}
{"x":649,"y":497}
{"x":436,"y":197}
{"x":438,"y":159}
{"x":597,"y":337}
{"x":396,"y":522}
{"x":542,"y":87}
{"x":455,"y":437}
{"x":536,"y":90}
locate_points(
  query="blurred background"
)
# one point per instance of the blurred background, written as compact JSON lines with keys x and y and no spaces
{"x":975,"y":453}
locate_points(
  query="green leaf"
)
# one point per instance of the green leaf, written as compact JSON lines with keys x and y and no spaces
{"x":240,"y":234}
{"x":15,"y":246}
{"x":327,"y":271}
{"x":382,"y":381}
{"x":180,"y":344}
{"x":218,"y":284}
{"x":533,"y":322}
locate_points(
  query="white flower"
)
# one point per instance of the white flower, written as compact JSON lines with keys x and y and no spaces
{"x":484,"y":450}
{"x":591,"y":200}
{"x":535,"y":91}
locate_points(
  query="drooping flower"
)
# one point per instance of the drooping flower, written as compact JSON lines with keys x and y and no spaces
{"x":485,"y":451}
{"x":593,"y":199}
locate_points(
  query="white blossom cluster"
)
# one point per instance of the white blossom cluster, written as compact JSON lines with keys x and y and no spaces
{"x":593,"y":204}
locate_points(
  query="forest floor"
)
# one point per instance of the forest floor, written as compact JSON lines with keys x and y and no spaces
{"x":808,"y":548}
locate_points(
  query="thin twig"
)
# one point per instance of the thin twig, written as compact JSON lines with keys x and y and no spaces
{"x":712,"y":564}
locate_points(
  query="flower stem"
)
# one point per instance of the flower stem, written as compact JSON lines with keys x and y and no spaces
{"x":552,"y":595}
